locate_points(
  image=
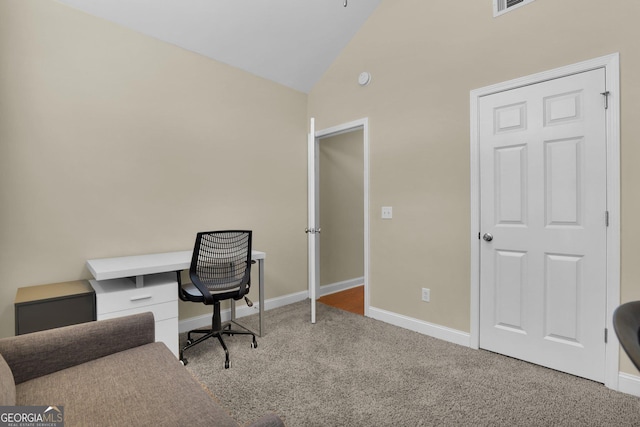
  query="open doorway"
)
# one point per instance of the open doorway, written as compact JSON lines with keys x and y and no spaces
{"x":341,"y":197}
{"x":346,"y":246}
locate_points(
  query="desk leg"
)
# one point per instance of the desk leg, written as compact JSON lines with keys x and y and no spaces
{"x":261,"y":293}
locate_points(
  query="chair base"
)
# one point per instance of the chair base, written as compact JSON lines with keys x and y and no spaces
{"x":210,"y":333}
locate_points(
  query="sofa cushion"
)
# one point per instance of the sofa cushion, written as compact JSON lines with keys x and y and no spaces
{"x":7,"y":385}
{"x":145,"y":385}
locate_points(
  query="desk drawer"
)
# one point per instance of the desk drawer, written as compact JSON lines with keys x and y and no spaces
{"x":163,"y":311}
{"x":134,"y":298}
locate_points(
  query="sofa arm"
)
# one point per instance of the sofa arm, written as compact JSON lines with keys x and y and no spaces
{"x":40,"y":353}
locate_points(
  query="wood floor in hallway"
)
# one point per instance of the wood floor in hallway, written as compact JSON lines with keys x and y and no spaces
{"x":351,"y":300}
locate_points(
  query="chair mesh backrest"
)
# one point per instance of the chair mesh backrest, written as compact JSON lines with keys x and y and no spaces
{"x":222,"y":260}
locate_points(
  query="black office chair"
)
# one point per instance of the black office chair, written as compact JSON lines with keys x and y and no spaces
{"x":626,"y":322}
{"x":220,"y":270}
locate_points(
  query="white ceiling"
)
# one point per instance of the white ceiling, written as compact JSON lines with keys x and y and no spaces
{"x":291,"y":42}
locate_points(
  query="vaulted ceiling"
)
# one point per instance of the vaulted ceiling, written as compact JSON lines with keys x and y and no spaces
{"x":291,"y":42}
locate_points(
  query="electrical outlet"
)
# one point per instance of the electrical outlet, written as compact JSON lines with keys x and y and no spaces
{"x":387,"y":212}
{"x":426,"y":294}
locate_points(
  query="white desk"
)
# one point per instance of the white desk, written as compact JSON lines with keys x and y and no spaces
{"x":110,"y":272}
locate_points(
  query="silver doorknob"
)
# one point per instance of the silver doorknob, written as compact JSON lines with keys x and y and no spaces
{"x":487,"y":237}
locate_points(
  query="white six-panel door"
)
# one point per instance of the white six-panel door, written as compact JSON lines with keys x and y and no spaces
{"x":542,"y":217}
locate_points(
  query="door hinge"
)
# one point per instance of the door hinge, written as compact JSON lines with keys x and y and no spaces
{"x":606,"y":335}
{"x":606,"y":218}
{"x":478,"y":235}
{"x":606,"y":99}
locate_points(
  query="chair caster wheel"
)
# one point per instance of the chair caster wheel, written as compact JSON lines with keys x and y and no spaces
{"x":184,"y":362}
{"x":227,"y":364}
{"x":189,"y":342}
{"x":254,"y":344}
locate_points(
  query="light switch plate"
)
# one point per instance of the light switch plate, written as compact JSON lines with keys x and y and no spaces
{"x":387,"y":212}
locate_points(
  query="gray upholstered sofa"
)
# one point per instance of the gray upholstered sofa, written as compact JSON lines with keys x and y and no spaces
{"x":109,"y":372}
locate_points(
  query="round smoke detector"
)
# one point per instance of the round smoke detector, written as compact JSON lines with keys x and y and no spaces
{"x":364,"y":78}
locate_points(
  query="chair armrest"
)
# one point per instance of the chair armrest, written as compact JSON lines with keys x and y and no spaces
{"x":40,"y":353}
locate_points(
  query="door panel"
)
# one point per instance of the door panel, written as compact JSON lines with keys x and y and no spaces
{"x":563,"y":181}
{"x":511,"y":277}
{"x":563,"y":289}
{"x":543,"y":198}
{"x":510,"y":184}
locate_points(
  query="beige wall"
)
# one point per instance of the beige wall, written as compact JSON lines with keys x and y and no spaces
{"x":113,"y":143}
{"x":341,"y":207}
{"x":424,"y":58}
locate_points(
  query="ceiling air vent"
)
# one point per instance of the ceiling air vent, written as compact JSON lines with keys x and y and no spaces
{"x":503,"y":6}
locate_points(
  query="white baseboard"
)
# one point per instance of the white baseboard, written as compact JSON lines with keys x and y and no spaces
{"x":629,"y":384}
{"x":241,"y":311}
{"x":340,"y":286}
{"x":422,"y":327}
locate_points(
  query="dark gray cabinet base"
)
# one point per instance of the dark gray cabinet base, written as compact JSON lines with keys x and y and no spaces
{"x":51,"y":306}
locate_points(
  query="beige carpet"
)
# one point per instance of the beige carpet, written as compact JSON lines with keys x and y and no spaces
{"x":348,"y":370}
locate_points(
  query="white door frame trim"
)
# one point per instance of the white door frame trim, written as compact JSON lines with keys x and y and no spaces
{"x":611,"y":64}
{"x":337,"y":130}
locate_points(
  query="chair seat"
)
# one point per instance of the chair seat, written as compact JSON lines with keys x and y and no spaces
{"x":193,"y":291}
